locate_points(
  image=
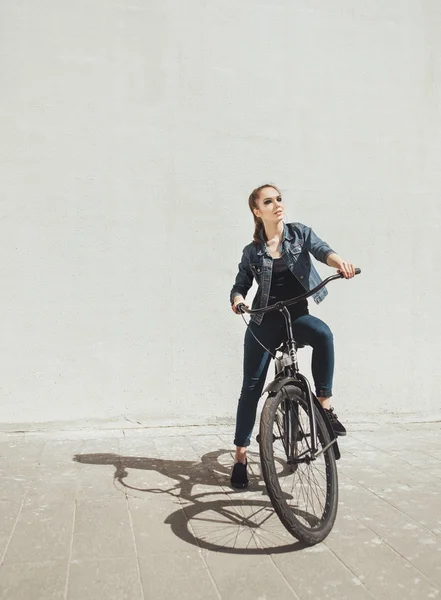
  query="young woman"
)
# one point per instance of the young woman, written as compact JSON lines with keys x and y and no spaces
{"x":278,"y":258}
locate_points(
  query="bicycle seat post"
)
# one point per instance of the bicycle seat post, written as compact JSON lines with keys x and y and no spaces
{"x":291,"y":341}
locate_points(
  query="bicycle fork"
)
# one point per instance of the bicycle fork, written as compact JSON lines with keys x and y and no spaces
{"x":307,"y":388}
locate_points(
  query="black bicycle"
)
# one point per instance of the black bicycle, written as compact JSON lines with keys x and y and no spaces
{"x":298,"y":446}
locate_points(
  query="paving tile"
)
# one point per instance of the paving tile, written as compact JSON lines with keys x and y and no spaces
{"x":57,"y":434}
{"x":153,"y":492}
{"x":7,"y":436}
{"x":206,"y":445}
{"x":95,"y":483}
{"x":177,"y":448}
{"x":14,"y":488}
{"x":411,"y":448}
{"x":109,"y":578}
{"x":20,"y":450}
{"x":195,"y":473}
{"x":36,"y":581}
{"x":247,"y":577}
{"x":137,"y":446}
{"x":421,"y":504}
{"x":383,"y":571}
{"x":180,"y":575}
{"x":419,"y":501}
{"x":369,"y":476}
{"x":54,"y":482}
{"x":182,"y":478}
{"x":160,"y":528}
{"x":100,"y":445}
{"x":228,"y":439}
{"x":97,"y":475}
{"x":191,"y":430}
{"x":156,"y":475}
{"x":335,"y":580}
{"x":9,"y":512}
{"x":390,"y":465}
{"x":144,"y":484}
{"x":60,"y":451}
{"x":102,"y":530}
{"x":413,"y":541}
{"x":43,"y":533}
{"x":139,"y":434}
{"x":18,"y":458}
{"x":433,"y":471}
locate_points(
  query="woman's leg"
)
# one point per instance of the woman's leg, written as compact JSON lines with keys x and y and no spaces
{"x":312,"y":331}
{"x":255,"y":367}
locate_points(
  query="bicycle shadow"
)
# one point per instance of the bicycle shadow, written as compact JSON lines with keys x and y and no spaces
{"x":219,"y":519}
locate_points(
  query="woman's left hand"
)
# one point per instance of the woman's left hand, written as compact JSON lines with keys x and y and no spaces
{"x":347,"y":269}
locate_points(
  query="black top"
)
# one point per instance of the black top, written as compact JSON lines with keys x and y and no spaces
{"x":284,"y":286}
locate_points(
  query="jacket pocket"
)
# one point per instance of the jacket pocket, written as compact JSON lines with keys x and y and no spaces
{"x":257,"y":270}
{"x":296,"y":249}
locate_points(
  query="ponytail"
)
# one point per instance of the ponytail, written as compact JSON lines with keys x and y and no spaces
{"x":252,"y":203}
{"x":258,"y":228}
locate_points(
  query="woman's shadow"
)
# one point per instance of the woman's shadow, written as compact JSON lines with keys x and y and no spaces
{"x":219,"y":519}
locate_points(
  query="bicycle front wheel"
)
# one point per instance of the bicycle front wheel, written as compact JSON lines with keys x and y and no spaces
{"x":304,"y":492}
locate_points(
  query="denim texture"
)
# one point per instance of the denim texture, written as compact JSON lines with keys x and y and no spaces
{"x":307,"y":330}
{"x":298,"y":242}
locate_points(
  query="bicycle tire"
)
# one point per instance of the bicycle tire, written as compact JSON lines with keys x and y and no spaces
{"x":288,"y":515}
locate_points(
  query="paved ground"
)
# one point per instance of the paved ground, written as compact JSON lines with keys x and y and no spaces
{"x":139,"y":514}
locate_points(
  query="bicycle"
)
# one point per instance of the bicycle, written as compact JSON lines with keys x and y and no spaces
{"x":294,"y":428}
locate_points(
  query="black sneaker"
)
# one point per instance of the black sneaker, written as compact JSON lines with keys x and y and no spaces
{"x":239,"y":477}
{"x":338,"y":428}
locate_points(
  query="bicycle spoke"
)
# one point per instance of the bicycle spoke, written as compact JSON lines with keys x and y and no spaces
{"x":313,"y":488}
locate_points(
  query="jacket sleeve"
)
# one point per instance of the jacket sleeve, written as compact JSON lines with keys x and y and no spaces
{"x":318,"y":248}
{"x":244,"y":279}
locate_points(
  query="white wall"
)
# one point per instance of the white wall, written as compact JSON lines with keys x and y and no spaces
{"x":132,"y":135}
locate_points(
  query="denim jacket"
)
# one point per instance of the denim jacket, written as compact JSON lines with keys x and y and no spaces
{"x":297,"y":242}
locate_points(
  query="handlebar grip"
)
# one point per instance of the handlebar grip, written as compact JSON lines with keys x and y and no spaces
{"x":357,"y":272}
{"x":239,"y":307}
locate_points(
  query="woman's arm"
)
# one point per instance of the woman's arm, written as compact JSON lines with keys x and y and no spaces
{"x":325,"y":254}
{"x":347,"y":268}
{"x":243,"y":282}
{"x":318,"y":248}
{"x":238,"y":300}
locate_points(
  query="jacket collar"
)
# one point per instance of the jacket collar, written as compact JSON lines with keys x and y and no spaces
{"x":287,"y":235}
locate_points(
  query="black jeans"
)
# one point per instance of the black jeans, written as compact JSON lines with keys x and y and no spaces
{"x":307,"y":330}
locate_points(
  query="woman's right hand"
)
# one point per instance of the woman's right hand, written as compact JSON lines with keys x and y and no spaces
{"x":238,"y":300}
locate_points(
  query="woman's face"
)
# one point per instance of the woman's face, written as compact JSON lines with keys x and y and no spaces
{"x":270,"y":207}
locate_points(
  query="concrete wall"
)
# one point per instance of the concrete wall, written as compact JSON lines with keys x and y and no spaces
{"x":132,"y":134}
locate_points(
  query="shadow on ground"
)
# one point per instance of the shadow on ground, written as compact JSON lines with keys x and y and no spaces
{"x":216,"y":518}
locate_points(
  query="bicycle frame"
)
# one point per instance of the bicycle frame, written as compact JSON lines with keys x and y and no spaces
{"x":293,"y":372}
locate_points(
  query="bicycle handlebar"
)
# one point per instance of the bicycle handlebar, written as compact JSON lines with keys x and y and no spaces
{"x":279,"y":305}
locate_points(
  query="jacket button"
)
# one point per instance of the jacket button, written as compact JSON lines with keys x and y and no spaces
{"x":301,"y":277}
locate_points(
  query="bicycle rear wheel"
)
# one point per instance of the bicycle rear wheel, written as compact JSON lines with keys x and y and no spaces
{"x":303,"y":494}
